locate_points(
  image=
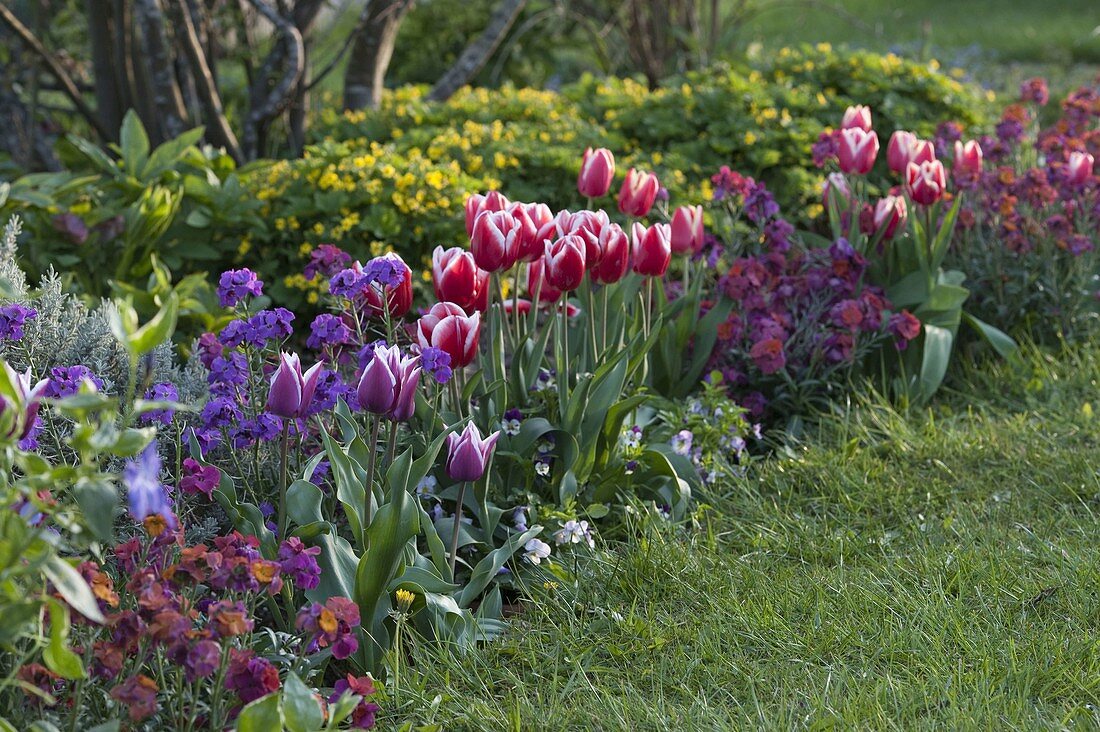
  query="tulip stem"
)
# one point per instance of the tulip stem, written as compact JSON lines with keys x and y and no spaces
{"x":592,"y":322}
{"x":457,"y":524}
{"x":285,"y":470}
{"x":563,"y":377}
{"x":391,"y":446}
{"x":603,"y":317}
{"x":371,"y":465}
{"x":515,"y":306}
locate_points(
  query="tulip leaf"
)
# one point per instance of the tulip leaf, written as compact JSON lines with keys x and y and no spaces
{"x":303,"y":502}
{"x":421,"y":581}
{"x":487,"y":568}
{"x":435,"y":545}
{"x":395,"y":523}
{"x":935,"y":357}
{"x":350,"y":491}
{"x":338,"y":564}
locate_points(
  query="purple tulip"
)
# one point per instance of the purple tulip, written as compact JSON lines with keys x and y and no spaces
{"x":388,"y":384}
{"x":26,"y":401}
{"x":468,"y":454}
{"x":291,"y":390}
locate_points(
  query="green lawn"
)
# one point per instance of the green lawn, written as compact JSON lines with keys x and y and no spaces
{"x":936,"y":571}
{"x":1013,"y":30}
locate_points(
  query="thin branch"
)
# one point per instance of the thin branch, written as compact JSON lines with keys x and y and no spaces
{"x":364,"y":17}
{"x":291,"y":49}
{"x":31,"y":41}
{"x":477,"y":53}
{"x":207,"y":87}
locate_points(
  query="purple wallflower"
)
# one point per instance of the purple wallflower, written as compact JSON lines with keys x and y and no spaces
{"x":229,"y":369}
{"x":12,"y":318}
{"x":236,"y":284}
{"x":203,"y":659}
{"x":220,"y":412}
{"x":326,"y":260}
{"x":199,"y":478}
{"x":160,"y":392}
{"x":384,"y":271}
{"x":250,"y":676}
{"x":436,"y":362}
{"x":348,"y":283}
{"x":760,"y":205}
{"x":264,"y":427}
{"x":272,"y":324}
{"x":299,"y":562}
{"x":144,"y":491}
{"x":208,"y":349}
{"x":66,"y":380}
{"x":328,"y":331}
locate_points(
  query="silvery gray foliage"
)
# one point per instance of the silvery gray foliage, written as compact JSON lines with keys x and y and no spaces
{"x":66,"y":333}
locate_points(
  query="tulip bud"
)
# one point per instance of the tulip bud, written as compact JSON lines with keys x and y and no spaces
{"x":588,"y":225}
{"x":687,"y":230}
{"x":890,"y":212}
{"x":597,"y":171}
{"x":652,"y":249}
{"x":858,"y":116}
{"x":19,"y":409}
{"x":925,"y":183}
{"x":921,"y":151}
{"x":638,"y":193}
{"x":968,"y":157}
{"x":495,"y":241}
{"x":291,"y":391}
{"x":564,"y":263}
{"x":856,"y":150}
{"x":447,"y":327}
{"x":456,"y":277}
{"x":1079,"y":168}
{"x":614,"y":256}
{"x":468,"y":454}
{"x":388,"y":384}
{"x":897,"y":150}
{"x":477,"y":204}
{"x":398,"y":296}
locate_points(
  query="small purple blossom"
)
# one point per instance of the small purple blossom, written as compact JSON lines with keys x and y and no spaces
{"x":160,"y":392}
{"x":12,"y":319}
{"x":145,"y":493}
{"x":328,"y":331}
{"x":236,"y":284}
{"x":66,"y":380}
{"x":436,"y":362}
{"x":299,"y":563}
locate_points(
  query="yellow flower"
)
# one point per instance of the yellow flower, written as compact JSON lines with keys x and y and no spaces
{"x":405,"y":600}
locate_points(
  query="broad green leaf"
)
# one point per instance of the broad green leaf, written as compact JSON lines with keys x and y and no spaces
{"x":97,"y":500}
{"x":338,"y":565}
{"x":487,"y":568}
{"x":158,"y":329}
{"x":72,"y":587}
{"x":934,"y":358}
{"x":1001,"y":342}
{"x":134,"y":143}
{"x":303,"y":502}
{"x":262,"y":715}
{"x":301,"y":710}
{"x":58,"y":656}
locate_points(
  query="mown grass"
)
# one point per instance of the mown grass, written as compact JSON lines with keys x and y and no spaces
{"x":1058,"y":31}
{"x":926,"y":571}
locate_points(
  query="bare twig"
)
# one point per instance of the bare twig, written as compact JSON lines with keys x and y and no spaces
{"x":31,"y":41}
{"x":207,"y":87}
{"x":154,"y":45}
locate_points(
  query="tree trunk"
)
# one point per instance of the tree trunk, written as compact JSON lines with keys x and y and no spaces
{"x":370,"y":56}
{"x":475,"y":55}
{"x":108,"y":94}
{"x":167,"y":98}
